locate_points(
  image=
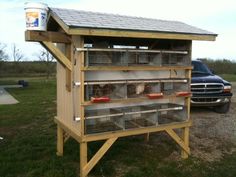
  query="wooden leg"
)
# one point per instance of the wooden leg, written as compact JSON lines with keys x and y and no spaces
{"x":60,"y":141}
{"x":185,"y":137}
{"x":85,"y":169}
{"x":83,"y":158}
{"x":147,"y":137}
{"x":183,"y":143}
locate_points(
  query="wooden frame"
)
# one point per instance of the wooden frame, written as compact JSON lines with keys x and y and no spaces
{"x":69,"y":51}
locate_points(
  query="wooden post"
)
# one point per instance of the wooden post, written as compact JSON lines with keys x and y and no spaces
{"x":60,"y":141}
{"x":185,"y":137}
{"x":83,"y":158}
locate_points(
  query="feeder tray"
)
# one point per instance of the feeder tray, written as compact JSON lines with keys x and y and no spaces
{"x":100,"y":99}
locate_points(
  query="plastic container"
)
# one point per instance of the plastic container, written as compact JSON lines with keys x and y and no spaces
{"x":36,"y":16}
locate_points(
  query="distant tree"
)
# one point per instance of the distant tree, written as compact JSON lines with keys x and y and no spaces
{"x":3,"y":54}
{"x":16,"y":53}
{"x":48,"y":59}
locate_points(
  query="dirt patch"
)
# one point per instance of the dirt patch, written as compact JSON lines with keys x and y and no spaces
{"x":212,"y":134}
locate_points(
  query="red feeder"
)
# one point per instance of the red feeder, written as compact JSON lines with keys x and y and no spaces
{"x":183,"y":93}
{"x":155,"y":95}
{"x":100,"y":99}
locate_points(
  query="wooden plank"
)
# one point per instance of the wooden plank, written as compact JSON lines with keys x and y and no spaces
{"x":68,"y":50}
{"x":60,"y":141}
{"x":135,"y":68}
{"x":83,"y":158}
{"x":81,"y":80}
{"x":131,"y":50}
{"x":138,"y":131}
{"x":49,"y":36}
{"x":77,"y":108}
{"x":57,"y":54}
{"x":139,"y":34}
{"x":185,"y":137}
{"x":178,"y":140}
{"x":72,"y":132}
{"x":100,"y":153}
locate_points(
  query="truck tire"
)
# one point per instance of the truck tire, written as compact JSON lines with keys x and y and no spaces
{"x":223,"y":108}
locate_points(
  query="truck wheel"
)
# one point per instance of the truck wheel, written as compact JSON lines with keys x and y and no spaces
{"x":223,"y":108}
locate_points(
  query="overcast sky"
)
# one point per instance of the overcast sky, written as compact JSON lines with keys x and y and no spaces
{"x":218,"y":16}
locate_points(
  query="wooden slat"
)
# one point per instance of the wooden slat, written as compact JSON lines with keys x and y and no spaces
{"x":49,"y":36}
{"x":57,"y":54}
{"x":139,"y":34}
{"x":137,"y":131}
{"x":178,"y":140}
{"x":98,"y":155}
{"x":130,"y":50}
{"x":135,"y":68}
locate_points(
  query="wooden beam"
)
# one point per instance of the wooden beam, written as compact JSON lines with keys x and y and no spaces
{"x":138,"y":131}
{"x":100,"y":153}
{"x":49,"y":36}
{"x":68,"y":52}
{"x":185,"y":137}
{"x":66,"y":136}
{"x":178,"y":140}
{"x":57,"y":54}
{"x":139,"y":34}
{"x":72,"y":132}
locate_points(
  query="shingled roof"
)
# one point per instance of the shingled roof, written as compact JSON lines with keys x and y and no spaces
{"x":86,"y":19}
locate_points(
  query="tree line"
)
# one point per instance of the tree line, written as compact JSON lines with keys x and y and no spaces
{"x":220,"y":66}
{"x":15,"y":63}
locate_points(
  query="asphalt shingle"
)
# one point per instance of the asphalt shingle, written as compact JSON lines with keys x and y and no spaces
{"x":86,"y":19}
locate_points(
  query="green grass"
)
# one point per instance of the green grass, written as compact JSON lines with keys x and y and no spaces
{"x":29,"y":145}
{"x":229,"y":77}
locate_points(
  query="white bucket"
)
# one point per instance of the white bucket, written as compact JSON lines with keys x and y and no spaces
{"x":36,"y":16}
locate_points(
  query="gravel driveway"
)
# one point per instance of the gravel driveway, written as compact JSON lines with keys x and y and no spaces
{"x":213,"y":134}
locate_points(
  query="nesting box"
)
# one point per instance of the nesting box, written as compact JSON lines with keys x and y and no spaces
{"x":119,"y":76}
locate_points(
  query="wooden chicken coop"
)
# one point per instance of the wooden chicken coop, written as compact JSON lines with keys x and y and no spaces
{"x":119,"y":76}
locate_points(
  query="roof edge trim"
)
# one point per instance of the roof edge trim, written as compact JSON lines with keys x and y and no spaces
{"x":139,"y":34}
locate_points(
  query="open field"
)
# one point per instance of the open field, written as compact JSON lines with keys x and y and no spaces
{"x":229,"y":77}
{"x":28,"y":148}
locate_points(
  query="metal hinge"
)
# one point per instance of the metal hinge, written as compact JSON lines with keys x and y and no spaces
{"x":77,"y":84}
{"x":77,"y":118}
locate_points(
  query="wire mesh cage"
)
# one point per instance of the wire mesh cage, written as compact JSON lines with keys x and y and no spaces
{"x":175,"y":59}
{"x":135,"y":58}
{"x":130,"y":117}
{"x":114,"y":90}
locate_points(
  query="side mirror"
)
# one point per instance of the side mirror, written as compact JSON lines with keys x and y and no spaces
{"x":212,"y":71}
